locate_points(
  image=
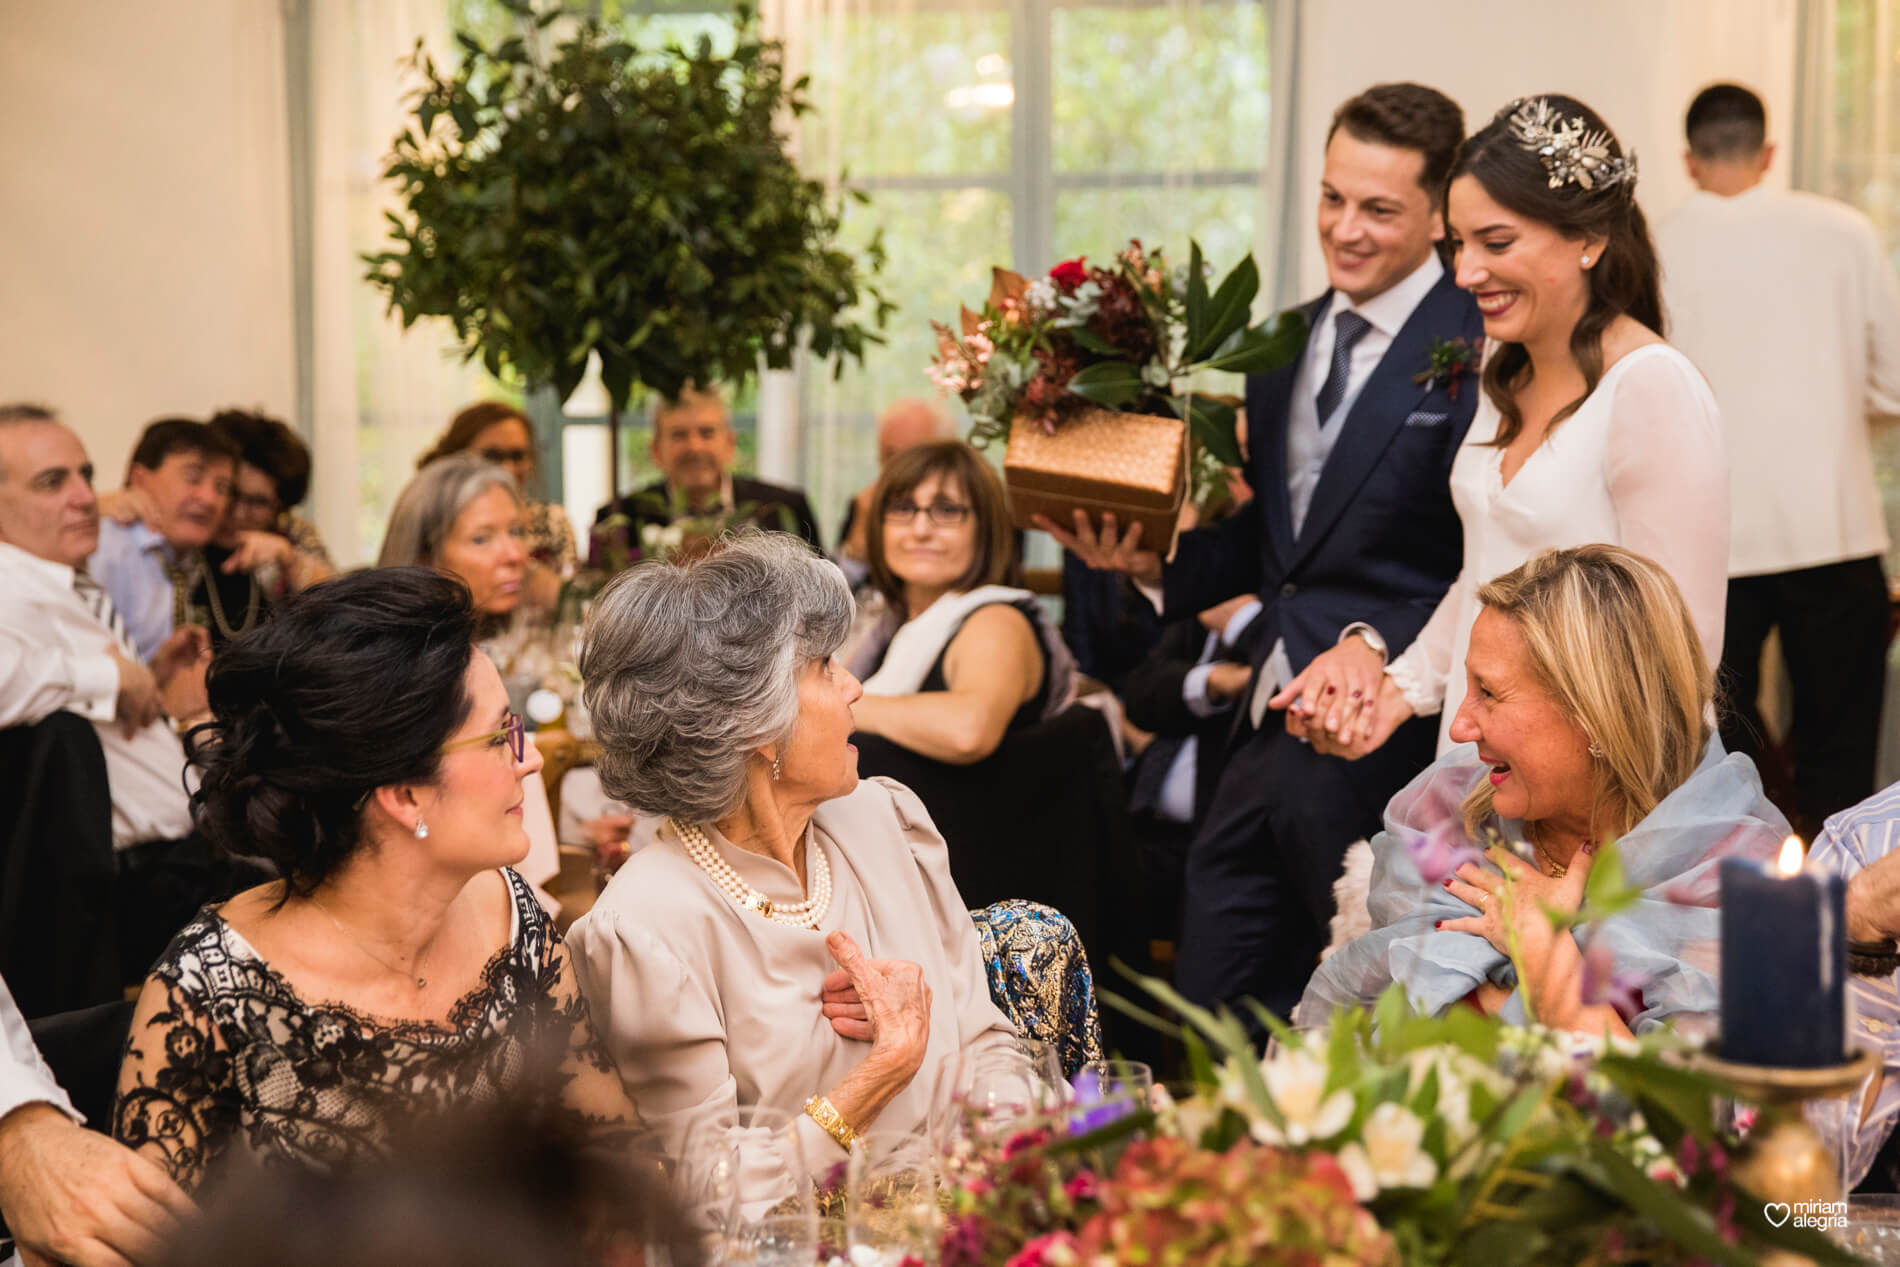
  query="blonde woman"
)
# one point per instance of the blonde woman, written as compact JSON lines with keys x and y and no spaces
{"x":1584,"y":721}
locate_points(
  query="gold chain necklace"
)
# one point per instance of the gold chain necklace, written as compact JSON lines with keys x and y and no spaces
{"x":422,"y":982}
{"x":217,"y":607}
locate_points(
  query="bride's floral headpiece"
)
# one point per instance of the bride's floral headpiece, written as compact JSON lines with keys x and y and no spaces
{"x":1571,"y":152}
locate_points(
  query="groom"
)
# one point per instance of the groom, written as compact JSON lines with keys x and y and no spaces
{"x":1352,"y":522}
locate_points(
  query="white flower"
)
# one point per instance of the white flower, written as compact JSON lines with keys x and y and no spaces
{"x":1296,"y":1082}
{"x":1389,"y":1153}
{"x":1155,"y":374}
{"x":1041,"y":296}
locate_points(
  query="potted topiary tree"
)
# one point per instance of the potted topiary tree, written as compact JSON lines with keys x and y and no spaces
{"x":586,"y":196}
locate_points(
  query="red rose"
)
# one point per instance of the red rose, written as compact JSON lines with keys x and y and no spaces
{"x":1070,"y":273}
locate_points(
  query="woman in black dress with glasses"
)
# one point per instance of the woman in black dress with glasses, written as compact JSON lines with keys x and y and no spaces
{"x":400,"y":967}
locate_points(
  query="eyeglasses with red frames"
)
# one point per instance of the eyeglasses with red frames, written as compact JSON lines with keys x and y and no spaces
{"x":515,"y":731}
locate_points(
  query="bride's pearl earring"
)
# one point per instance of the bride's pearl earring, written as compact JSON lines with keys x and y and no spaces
{"x":422,"y":830}
{"x":1586,"y":261}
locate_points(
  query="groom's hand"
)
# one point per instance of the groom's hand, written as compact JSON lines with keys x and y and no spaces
{"x":1105,"y":551}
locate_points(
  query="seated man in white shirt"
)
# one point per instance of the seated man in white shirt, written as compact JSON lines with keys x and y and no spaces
{"x":63,"y":649}
{"x":68,"y":1194}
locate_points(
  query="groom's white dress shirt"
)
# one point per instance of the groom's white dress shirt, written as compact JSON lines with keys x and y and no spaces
{"x":1787,"y":303}
{"x":53,"y":656}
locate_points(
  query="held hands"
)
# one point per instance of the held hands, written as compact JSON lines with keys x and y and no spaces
{"x":885,"y":1002}
{"x":1335,"y":693}
{"x":180,"y":667}
{"x":75,"y":1196}
{"x":1105,"y":551}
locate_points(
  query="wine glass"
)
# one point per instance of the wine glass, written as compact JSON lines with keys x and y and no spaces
{"x":892,"y":1196}
{"x":769,"y":1175}
{"x":778,"y":1240}
{"x":1109,"y":1090}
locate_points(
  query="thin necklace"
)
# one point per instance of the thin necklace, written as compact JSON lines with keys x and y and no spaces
{"x":422,"y":983}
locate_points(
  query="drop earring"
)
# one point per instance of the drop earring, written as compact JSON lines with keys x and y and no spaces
{"x":422,"y":830}
{"x":778,"y":763}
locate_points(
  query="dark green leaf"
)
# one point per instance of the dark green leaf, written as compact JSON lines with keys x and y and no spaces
{"x":1662,"y":1206}
{"x":1108,"y":383}
{"x":1271,"y":345}
{"x":1196,"y":300}
{"x":1094,"y":342}
{"x":1228,"y":310}
{"x":1215,"y":426}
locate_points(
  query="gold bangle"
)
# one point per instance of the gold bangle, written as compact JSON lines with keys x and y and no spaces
{"x":821,"y":1110}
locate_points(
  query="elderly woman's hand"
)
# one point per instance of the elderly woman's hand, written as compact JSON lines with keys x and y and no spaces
{"x":1532,"y":892}
{"x":886,"y":1001}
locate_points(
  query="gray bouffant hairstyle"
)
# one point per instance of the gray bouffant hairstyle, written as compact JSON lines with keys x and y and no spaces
{"x":691,"y":668}
{"x":428,"y":505}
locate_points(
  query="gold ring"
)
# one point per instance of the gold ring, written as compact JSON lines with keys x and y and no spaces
{"x":1482,"y":899}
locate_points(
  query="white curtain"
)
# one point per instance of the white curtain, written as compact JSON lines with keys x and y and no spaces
{"x":1017,"y":133}
{"x":377,"y":394}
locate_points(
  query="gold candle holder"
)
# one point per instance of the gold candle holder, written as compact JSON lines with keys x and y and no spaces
{"x":1784,"y":1160}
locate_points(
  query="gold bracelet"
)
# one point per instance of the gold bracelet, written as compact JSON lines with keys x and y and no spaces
{"x":821,"y":1110}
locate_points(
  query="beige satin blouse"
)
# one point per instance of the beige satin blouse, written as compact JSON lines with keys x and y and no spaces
{"x":705,"y":1005}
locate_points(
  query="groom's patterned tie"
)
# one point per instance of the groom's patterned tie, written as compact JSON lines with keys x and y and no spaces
{"x":99,"y":603}
{"x":1348,"y":329}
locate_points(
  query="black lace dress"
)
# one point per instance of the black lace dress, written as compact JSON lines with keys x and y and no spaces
{"x":236,"y":1061}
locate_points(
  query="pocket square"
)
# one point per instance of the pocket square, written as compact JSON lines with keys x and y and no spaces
{"x":1425,"y":418}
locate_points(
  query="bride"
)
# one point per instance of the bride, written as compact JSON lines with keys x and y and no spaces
{"x":1592,"y":428}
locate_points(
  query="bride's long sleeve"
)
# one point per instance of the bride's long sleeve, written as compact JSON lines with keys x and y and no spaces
{"x":1422,"y":671}
{"x":1667,"y":470}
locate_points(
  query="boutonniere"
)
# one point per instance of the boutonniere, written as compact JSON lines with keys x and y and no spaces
{"x":1448,"y":362}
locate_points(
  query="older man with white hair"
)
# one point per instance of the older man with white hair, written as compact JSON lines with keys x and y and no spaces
{"x":906,"y":424}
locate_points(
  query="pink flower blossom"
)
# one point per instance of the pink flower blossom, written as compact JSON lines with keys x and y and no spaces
{"x":1083,"y":1187}
{"x":1058,"y":1249}
{"x":1439,"y":853}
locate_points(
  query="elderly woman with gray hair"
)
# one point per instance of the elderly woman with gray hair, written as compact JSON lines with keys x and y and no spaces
{"x":786,"y":935}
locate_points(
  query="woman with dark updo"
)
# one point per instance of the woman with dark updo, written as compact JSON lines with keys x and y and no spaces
{"x":399,"y":967}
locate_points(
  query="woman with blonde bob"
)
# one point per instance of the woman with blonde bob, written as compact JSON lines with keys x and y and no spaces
{"x":1585,"y":722}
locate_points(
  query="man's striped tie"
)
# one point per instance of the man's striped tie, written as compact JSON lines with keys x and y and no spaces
{"x":99,"y":603}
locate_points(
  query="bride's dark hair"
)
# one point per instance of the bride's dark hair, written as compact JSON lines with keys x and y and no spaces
{"x":1625,"y":278}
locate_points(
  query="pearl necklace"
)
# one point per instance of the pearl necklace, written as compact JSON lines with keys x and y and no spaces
{"x":805,"y":914}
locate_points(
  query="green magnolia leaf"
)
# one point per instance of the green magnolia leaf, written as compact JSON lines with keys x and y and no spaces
{"x":1227,"y":311}
{"x":1094,"y":342}
{"x":1215,"y":425}
{"x":1273,"y":344}
{"x":1110,"y":383}
{"x":1196,"y":301}
{"x":1686,"y":1095}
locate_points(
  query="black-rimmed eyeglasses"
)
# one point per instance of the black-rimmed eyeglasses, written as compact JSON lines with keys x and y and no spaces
{"x":942,"y":514}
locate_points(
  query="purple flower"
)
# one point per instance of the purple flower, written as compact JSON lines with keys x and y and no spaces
{"x":1601,"y":983}
{"x":1439,"y":853}
{"x":1096,"y":1105}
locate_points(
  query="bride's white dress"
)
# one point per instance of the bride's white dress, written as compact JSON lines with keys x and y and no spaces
{"x":1641,"y":464}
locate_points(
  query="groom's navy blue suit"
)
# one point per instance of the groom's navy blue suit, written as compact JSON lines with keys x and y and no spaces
{"x":1380,"y":543}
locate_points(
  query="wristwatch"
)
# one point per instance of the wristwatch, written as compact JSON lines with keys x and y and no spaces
{"x":1360,"y":629}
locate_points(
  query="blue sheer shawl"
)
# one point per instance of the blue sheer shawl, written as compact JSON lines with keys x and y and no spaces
{"x":1669,"y":939}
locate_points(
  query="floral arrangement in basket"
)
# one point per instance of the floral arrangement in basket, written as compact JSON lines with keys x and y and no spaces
{"x":1388,"y":1137}
{"x":1129,"y":336}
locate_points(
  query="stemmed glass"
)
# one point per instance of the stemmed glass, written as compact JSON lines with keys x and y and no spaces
{"x":892,"y":1204}
{"x":1108,"y":1090}
{"x":754,"y":1167}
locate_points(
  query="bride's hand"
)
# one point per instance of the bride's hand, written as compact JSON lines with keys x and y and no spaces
{"x":1331,"y":694}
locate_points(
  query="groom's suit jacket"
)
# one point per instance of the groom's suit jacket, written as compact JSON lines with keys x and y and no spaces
{"x":1381,"y":541}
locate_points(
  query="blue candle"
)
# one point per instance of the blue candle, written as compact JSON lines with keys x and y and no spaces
{"x":1784,"y":964}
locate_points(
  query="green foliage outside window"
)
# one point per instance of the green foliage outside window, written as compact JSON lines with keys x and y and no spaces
{"x":593,"y":196}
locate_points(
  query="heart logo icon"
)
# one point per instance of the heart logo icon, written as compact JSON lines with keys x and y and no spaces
{"x":1777,"y":1212}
